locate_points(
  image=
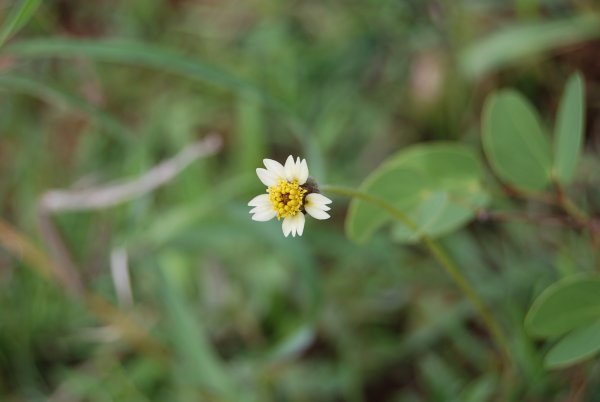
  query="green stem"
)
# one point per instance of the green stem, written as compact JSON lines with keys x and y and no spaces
{"x":443,"y":258}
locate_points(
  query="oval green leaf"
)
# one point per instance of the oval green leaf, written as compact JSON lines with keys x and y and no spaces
{"x":569,"y":130}
{"x":514,"y":142}
{"x":514,"y":44}
{"x":440,"y":213}
{"x":451,"y":190}
{"x":575,"y":347}
{"x":564,"y":306}
{"x":399,"y":186}
{"x":440,"y":192}
{"x":443,"y":164}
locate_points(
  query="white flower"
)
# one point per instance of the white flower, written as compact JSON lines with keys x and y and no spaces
{"x":290,"y":195}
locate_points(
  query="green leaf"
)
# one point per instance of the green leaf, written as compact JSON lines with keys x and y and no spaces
{"x":18,"y":16}
{"x":514,"y":44}
{"x":133,"y":53}
{"x":569,"y":130}
{"x":564,"y":306}
{"x":451,"y":192}
{"x":443,"y":163}
{"x":575,"y":347}
{"x":398,"y":185}
{"x":514,"y":142}
{"x":436,"y":185}
{"x":440,"y":213}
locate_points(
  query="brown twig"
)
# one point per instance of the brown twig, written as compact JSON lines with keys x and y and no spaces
{"x":529,"y":196}
{"x":569,"y":206}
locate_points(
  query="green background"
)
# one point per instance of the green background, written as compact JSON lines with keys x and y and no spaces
{"x":227,"y":309}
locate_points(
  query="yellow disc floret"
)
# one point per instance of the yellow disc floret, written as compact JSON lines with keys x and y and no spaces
{"x":286,"y":198}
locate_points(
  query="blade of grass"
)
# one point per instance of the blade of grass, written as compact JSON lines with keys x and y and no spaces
{"x":40,"y":90}
{"x":18,"y":16}
{"x":134,"y":54}
{"x":142,"y":55}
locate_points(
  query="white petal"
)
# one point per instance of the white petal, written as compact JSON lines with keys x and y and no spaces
{"x":262,"y":199}
{"x":289,"y":162}
{"x":291,"y":169}
{"x":286,"y":226}
{"x":264,"y":216}
{"x":317,"y":199}
{"x":324,"y":207}
{"x":300,"y":223}
{"x":293,"y":224}
{"x":316,"y":212}
{"x":303,"y":172}
{"x":268,"y":178}
{"x":275,"y":167}
{"x":261,"y":208}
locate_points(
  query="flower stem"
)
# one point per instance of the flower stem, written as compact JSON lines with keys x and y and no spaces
{"x":443,"y":258}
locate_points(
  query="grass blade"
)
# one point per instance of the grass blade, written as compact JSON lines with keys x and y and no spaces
{"x":19,"y":15}
{"x":42,"y":91}
{"x":135,"y":54}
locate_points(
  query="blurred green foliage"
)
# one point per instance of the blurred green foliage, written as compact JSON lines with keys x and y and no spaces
{"x":227,"y":309}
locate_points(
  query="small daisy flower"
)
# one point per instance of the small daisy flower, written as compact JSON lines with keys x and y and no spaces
{"x":291,"y":194}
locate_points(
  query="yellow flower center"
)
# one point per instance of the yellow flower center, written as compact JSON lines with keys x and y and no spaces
{"x":286,"y":198}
